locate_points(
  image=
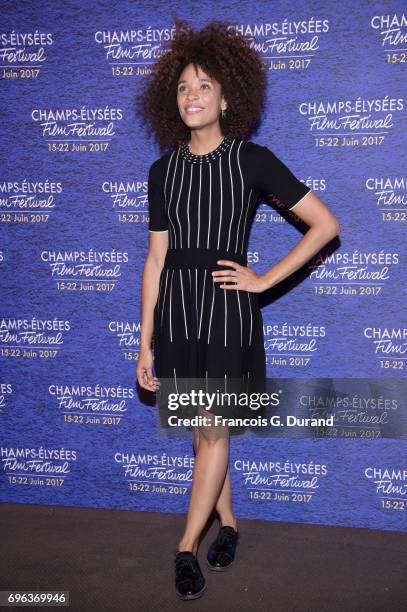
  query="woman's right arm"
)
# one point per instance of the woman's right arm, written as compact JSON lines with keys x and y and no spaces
{"x":158,"y":245}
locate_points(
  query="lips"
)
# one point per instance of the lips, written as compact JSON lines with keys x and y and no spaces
{"x":193,"y":109}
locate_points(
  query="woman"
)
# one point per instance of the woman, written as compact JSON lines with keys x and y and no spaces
{"x":199,"y":295}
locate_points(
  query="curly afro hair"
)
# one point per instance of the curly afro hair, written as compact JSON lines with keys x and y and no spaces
{"x":224,"y":56}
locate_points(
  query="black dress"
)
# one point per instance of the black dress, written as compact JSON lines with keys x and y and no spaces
{"x":207,"y":337}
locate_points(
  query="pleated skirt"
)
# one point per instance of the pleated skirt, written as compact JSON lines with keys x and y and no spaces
{"x":207,"y":338}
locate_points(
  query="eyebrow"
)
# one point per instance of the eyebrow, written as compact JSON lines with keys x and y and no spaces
{"x":209,"y":80}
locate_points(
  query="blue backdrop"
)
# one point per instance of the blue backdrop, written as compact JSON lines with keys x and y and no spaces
{"x":74,"y":236}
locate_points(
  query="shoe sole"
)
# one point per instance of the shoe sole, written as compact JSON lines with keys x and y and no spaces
{"x":194,"y":596}
{"x":219,"y":568}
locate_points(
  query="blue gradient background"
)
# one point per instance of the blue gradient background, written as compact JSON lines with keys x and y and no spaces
{"x":349,"y":63}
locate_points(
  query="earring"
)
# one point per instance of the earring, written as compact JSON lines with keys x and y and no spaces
{"x":223,"y":113}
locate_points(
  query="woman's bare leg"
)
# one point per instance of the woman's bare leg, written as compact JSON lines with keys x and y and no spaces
{"x":211,"y":464}
{"x":224,"y":503}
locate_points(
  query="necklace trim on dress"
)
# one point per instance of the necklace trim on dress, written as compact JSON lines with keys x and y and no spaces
{"x":207,"y":157}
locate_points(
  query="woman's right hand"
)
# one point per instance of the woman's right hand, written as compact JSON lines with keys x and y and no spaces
{"x":144,"y":371}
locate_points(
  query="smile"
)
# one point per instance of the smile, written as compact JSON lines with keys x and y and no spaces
{"x":193,"y":109}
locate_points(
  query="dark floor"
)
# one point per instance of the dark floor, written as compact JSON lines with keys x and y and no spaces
{"x":114,"y":560}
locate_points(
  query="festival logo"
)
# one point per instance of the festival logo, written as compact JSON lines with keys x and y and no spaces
{"x":362,"y":122}
{"x":132,"y":52}
{"x":87,"y":271}
{"x":289,"y":345}
{"x":128,"y":200}
{"x":128,"y":337}
{"x":92,"y":404}
{"x":355,"y":413}
{"x":286,"y":45}
{"x":23,"y":54}
{"x":389,"y":346}
{"x":280,"y":481}
{"x":77,"y":130}
{"x":28,"y":201}
{"x":389,"y":197}
{"x":353,"y":273}
{"x":156,"y":473}
{"x":390,"y":487}
{"x":32,"y":338}
{"x":37,"y":467}
{"x":392,"y":36}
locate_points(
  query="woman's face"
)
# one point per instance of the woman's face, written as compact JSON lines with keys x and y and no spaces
{"x":199,"y":98}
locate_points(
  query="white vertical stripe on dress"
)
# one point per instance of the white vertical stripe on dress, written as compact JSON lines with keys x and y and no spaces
{"x":179,"y":195}
{"x":221,"y":197}
{"x":210,"y":204}
{"x":175,"y":380}
{"x":241,"y":210}
{"x":226,"y":314}
{"x":196,"y":293}
{"x":250,"y":305}
{"x":203,"y":298}
{"x":165,"y":293}
{"x":173,"y":236}
{"x":171,"y":304}
{"x":240,"y":315}
{"x":190,"y":284}
{"x":210,"y":318}
{"x":199,"y":202}
{"x":189,"y":195}
{"x":233,"y":198}
{"x":183,"y":304}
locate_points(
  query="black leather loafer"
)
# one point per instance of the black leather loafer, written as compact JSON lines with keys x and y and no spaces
{"x":221,"y":552}
{"x":189,"y":580}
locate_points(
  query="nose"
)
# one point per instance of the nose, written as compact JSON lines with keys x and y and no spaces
{"x":192,"y":94}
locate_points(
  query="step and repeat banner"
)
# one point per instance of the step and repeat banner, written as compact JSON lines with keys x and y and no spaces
{"x":76,"y":430}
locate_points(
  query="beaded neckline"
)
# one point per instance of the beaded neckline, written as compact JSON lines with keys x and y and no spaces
{"x":207,"y":157}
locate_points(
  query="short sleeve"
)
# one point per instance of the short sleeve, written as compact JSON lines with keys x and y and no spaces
{"x":158,"y":221}
{"x":271,"y":176}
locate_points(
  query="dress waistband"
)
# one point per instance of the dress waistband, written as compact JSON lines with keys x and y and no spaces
{"x":201,"y":258}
